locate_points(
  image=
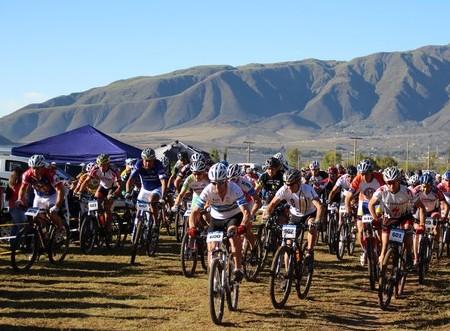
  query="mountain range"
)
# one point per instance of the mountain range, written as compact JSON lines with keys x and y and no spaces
{"x":387,"y":92}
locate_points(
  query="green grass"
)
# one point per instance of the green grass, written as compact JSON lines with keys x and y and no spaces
{"x":103,"y":292}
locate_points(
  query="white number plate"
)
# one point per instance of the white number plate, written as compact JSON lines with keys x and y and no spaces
{"x":332,"y":208}
{"x":93,"y":205}
{"x":216,"y":236}
{"x":367,"y":219}
{"x":189,"y":205}
{"x":187,"y":212}
{"x":32,"y":212}
{"x":143,"y":206}
{"x":289,"y":231}
{"x":429,"y":223}
{"x":397,"y":235}
{"x":342,"y":209}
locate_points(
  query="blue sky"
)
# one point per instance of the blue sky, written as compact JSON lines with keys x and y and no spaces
{"x":51,"y":48}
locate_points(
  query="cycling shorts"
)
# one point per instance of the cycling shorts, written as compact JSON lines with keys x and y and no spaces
{"x":44,"y":202}
{"x":296,"y":220}
{"x":221,"y":225}
{"x":394,"y":222}
{"x":145,"y":195}
{"x":363,"y":208}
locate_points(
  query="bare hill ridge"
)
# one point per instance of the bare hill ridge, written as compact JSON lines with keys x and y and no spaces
{"x":382,"y":90}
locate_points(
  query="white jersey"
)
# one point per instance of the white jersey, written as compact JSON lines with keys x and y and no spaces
{"x":301,"y":201}
{"x":395,"y":205}
{"x":431,"y":200}
{"x":343,"y":182}
{"x":226,"y":208}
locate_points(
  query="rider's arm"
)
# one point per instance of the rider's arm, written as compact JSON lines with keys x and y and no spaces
{"x":271,"y":206}
{"x":22,"y":192}
{"x":181,"y":195}
{"x":256,"y":205}
{"x":421,"y":211}
{"x":84,"y":184}
{"x":319,"y":207}
{"x":333,"y":192}
{"x":163,"y":187}
{"x":246,"y":212}
{"x":372,"y":202}
{"x":59,"y":195}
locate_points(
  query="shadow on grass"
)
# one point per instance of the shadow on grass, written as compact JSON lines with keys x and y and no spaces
{"x":31,"y":328}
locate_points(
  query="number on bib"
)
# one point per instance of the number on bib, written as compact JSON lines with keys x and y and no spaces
{"x":289,"y":231}
{"x":428,"y":223}
{"x":93,"y":205}
{"x":216,"y":236}
{"x":367,"y":219}
{"x":33,"y":212}
{"x":397,"y":235}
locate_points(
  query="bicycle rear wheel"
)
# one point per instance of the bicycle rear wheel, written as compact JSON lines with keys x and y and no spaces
{"x":387,"y":278}
{"x":372,"y":263}
{"x":216,"y":291}
{"x":58,"y":244}
{"x":88,"y":234}
{"x":232,"y":293}
{"x":188,"y":257}
{"x":263,"y":237}
{"x":305,"y":273}
{"x":24,"y":249}
{"x":179,"y":226}
{"x":422,"y":269}
{"x":331,"y":234}
{"x":251,"y":260}
{"x":281,"y":277}
{"x":342,"y":237}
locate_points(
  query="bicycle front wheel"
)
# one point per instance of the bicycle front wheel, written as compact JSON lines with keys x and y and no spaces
{"x":24,"y":249}
{"x":341,"y":237}
{"x":188,"y":257}
{"x":372,"y":262}
{"x":216,"y":291}
{"x":88,"y":233}
{"x":136,"y":240}
{"x":305,"y":273}
{"x":251,"y":260}
{"x":58,"y":244}
{"x":387,"y":278}
{"x":281,"y":277}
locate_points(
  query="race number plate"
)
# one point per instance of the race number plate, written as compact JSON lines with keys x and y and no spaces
{"x":367,"y":219}
{"x":143,"y":206}
{"x":189,"y":205}
{"x":33,"y":212}
{"x":429,"y":224}
{"x":332,"y":207}
{"x":289,"y":231}
{"x":397,"y":235}
{"x":342,"y":209}
{"x":216,"y":236}
{"x":93,"y":205}
{"x":187,"y":212}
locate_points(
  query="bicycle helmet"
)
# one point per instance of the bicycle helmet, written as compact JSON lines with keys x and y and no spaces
{"x":148,"y":154}
{"x":36,"y":161}
{"x":197,"y":157}
{"x":224,"y":162}
{"x":89,"y":166}
{"x":130,"y":162}
{"x":352,"y":171}
{"x":292,"y":176}
{"x":198,"y":166}
{"x":272,"y":163}
{"x":413,"y":180}
{"x":333,"y":171}
{"x":365,"y":166}
{"x":446,"y":175}
{"x":183,"y":156}
{"x":233,"y":171}
{"x":164,"y":160}
{"x":391,"y":174}
{"x":102,"y":159}
{"x":426,"y":179}
{"x":217,"y":173}
{"x":279,"y":156}
{"x":315,"y":165}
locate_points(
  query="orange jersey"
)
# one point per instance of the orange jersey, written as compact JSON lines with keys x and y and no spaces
{"x":365,"y":189}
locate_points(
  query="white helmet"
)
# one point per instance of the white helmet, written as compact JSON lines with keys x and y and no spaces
{"x":89,"y":166}
{"x":217,"y":173}
{"x":413,"y":180}
{"x":164,"y":160}
{"x":198,"y":166}
{"x":279,"y":156}
{"x":365,"y":166}
{"x":391,"y":173}
{"x":36,"y":161}
{"x":233,"y":170}
{"x":197,"y":157}
{"x":148,"y":154}
{"x":314,"y":165}
{"x":130,"y":162}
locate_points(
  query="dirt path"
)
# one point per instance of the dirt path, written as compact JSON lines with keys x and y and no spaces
{"x":102,"y":292}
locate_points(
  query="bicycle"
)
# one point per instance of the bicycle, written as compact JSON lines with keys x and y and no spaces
{"x":167,"y":219}
{"x":269,"y":237}
{"x":426,"y":246}
{"x":192,"y":250}
{"x":38,"y":236}
{"x":291,"y":263}
{"x":93,"y":229}
{"x":181,"y":219}
{"x":332,"y":227}
{"x":371,"y":240}
{"x":345,"y":236}
{"x":221,"y":285}
{"x":444,"y":239}
{"x":393,"y":269}
{"x":146,"y":231}
{"x":123,"y":215}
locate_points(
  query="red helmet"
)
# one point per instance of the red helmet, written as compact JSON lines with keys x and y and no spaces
{"x":332,"y":170}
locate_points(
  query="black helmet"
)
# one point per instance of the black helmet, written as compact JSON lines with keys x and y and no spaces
{"x":272,"y":162}
{"x":292,"y":176}
{"x":351,"y":170}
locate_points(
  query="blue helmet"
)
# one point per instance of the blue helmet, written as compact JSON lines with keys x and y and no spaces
{"x":426,"y":179}
{"x":446,"y":175}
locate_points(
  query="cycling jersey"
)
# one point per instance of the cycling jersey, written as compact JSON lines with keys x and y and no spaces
{"x":177,"y":167}
{"x":395,"y":205}
{"x":246,"y":187}
{"x":185,"y":171}
{"x":226,"y":208}
{"x":271,"y":184}
{"x":300,"y":202}
{"x":343,"y":182}
{"x":150,"y":178}
{"x":196,"y":186}
{"x":444,"y":187}
{"x":107,"y":178}
{"x":92,"y":184}
{"x":431,"y":200}
{"x":318,"y":182}
{"x":365,"y":189}
{"x":43,"y":186}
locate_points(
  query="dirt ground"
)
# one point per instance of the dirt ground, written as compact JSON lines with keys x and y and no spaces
{"x":103,"y":292}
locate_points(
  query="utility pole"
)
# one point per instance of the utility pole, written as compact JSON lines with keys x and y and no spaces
{"x":249,"y":143}
{"x":428,"y":158}
{"x":407,"y":155}
{"x":355,"y":139}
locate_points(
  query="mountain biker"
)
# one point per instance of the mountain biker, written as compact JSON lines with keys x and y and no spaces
{"x":397,"y":203}
{"x":271,"y":180}
{"x":185,"y":171}
{"x":183,"y":159}
{"x":48,"y":190}
{"x":304,"y":204}
{"x":229,"y":211}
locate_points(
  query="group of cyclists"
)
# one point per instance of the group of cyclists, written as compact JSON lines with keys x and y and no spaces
{"x":228,"y":198}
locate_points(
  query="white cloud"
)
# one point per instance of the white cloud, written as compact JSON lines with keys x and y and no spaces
{"x":8,"y":106}
{"x":33,"y":97}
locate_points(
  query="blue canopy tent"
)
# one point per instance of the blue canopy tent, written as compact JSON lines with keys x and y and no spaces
{"x":78,"y":146}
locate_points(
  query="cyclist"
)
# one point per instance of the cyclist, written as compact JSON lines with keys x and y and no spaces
{"x":271,"y":180}
{"x":153,"y":180}
{"x":48,"y":190}
{"x":304,"y":204}
{"x":165,"y":163}
{"x":433,"y":200}
{"x":444,"y":186}
{"x":185,"y":171}
{"x":108,"y":188}
{"x":282,"y":160}
{"x":413,"y":181}
{"x":183,"y":159}
{"x":343,"y":183}
{"x":229,"y":211}
{"x":365,"y":183}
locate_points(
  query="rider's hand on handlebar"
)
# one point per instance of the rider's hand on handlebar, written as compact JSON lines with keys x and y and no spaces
{"x":127,"y":196}
{"x":420,"y":229}
{"x":192,"y":232}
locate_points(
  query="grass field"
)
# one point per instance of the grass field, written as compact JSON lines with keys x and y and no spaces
{"x":103,"y":292}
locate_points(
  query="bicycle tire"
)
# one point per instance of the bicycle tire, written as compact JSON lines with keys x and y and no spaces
{"x":386,"y":280}
{"x":26,"y":243}
{"x":422,"y":259}
{"x":57,"y":245}
{"x":179,"y":225}
{"x":305,"y":273}
{"x":372,"y":262}
{"x":216,"y":292}
{"x":186,"y":255}
{"x":232,"y":291}
{"x":263,"y":237}
{"x":250,"y":263}
{"x":88,"y":234}
{"x":116,"y":230}
{"x":136,"y":241}
{"x":278,"y":273}
{"x":151,"y":245}
{"x":403,"y":273}
{"x":340,"y":249}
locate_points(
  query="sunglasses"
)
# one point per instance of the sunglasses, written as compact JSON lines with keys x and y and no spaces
{"x":291,"y":184}
{"x":390,"y":182}
{"x":218,"y":183}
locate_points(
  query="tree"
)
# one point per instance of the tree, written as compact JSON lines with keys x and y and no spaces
{"x":293,"y":156}
{"x":225,"y":153}
{"x":214,"y":154}
{"x":383,"y":162}
{"x":331,"y":158}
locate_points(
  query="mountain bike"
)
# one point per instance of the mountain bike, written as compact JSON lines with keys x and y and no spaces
{"x":393,"y":269}
{"x":38,"y":236}
{"x":444,"y":239}
{"x":332,"y":227}
{"x":221,"y":284}
{"x":182,"y":218}
{"x":291,"y":263}
{"x":426,"y":246}
{"x":345,"y":236}
{"x":371,"y":242}
{"x":192,"y":250}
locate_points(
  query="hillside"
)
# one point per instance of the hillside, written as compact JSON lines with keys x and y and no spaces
{"x":383,"y":91}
